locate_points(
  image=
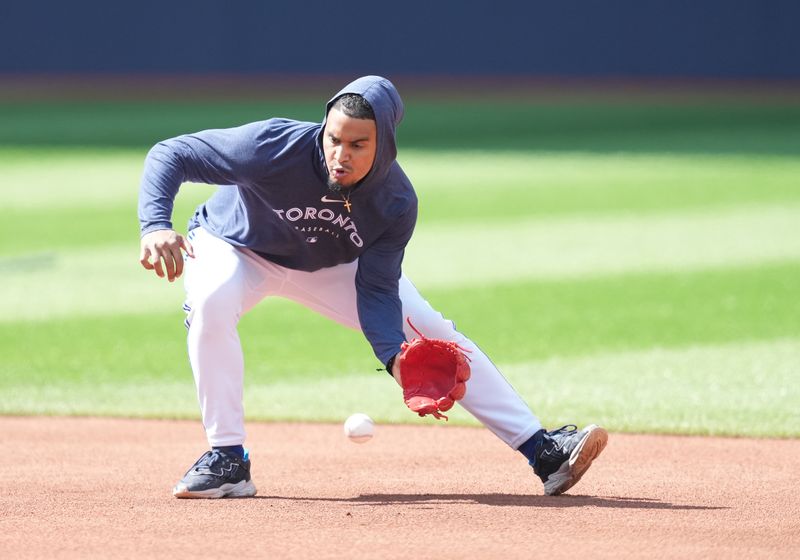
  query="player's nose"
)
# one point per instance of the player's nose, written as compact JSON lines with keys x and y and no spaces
{"x":341,"y":153}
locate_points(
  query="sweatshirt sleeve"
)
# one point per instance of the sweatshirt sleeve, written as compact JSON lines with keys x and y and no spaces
{"x":224,"y":156}
{"x":377,"y":288}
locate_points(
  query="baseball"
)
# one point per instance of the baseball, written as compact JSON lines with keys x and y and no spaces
{"x":359,"y":428}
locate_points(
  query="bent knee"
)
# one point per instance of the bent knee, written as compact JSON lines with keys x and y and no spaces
{"x":431,"y":325}
{"x":215,"y":307}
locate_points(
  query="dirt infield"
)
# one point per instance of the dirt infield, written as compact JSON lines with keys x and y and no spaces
{"x":100,"y":488}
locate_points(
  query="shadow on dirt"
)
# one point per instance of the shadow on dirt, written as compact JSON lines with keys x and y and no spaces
{"x":514,"y":500}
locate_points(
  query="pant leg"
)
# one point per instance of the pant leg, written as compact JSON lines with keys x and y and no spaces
{"x":489,"y":398}
{"x":331,"y":292}
{"x":221,"y":283}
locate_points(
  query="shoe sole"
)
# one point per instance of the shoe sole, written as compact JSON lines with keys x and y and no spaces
{"x":587,"y":450}
{"x":242,"y":489}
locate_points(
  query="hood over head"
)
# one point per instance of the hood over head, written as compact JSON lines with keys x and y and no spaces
{"x":382,"y":96}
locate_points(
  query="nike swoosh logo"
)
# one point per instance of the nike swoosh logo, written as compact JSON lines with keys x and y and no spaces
{"x":326,"y":199}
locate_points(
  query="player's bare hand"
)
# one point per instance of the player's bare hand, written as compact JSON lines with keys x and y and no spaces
{"x":396,"y":371}
{"x":161,"y":252}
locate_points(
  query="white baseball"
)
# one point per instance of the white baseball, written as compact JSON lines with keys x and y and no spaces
{"x":359,"y":428}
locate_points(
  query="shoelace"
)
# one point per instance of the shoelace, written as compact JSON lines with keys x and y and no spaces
{"x":209,"y":458}
{"x":564,"y":432}
{"x":569,"y":428}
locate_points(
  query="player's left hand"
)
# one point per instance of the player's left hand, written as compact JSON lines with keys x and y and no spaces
{"x":433,"y":374}
{"x":396,"y":370}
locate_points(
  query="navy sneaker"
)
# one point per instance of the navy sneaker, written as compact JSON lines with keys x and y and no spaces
{"x":565,"y":454}
{"x":216,"y":475}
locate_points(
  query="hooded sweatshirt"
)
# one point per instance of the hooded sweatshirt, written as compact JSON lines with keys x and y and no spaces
{"x":273,"y":199}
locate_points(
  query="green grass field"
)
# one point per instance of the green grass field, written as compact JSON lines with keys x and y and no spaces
{"x":633,"y":264}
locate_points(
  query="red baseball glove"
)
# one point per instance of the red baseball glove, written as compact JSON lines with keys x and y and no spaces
{"x":433,"y":373}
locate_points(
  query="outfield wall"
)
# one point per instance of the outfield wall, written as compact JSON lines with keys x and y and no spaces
{"x":740,"y":39}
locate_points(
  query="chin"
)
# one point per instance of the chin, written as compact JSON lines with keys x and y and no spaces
{"x":335,"y":185}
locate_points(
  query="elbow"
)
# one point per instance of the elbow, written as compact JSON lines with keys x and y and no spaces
{"x":167,"y":154}
{"x":165,"y":148}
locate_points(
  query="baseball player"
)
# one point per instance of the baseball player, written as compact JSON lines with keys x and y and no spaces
{"x":319,"y":213}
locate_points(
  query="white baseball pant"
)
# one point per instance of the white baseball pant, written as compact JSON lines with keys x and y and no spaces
{"x":223,"y":282}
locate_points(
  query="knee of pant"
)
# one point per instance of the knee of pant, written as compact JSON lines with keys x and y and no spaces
{"x":432,"y":326}
{"x":216,"y":307}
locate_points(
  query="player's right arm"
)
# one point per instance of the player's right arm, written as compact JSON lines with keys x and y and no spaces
{"x":224,"y":156}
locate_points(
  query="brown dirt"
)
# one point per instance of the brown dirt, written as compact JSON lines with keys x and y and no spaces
{"x":100,"y":488}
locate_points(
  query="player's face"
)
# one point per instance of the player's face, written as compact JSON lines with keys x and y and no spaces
{"x":349,"y":146}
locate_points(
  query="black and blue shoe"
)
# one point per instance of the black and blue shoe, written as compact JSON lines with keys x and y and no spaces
{"x":217,"y":474}
{"x":565,"y":454}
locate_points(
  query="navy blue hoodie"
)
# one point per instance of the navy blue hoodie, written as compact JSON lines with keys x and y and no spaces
{"x":273,"y":198}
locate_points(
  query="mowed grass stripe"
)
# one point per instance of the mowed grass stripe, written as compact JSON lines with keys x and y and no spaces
{"x":586,"y":246}
{"x":462,"y":183}
{"x":498,"y":186}
{"x":670,"y":391}
{"x":531,"y":320}
{"x":657,"y":390}
{"x":59,"y":179}
{"x":512,"y":323}
{"x":60,"y":200}
{"x":109,"y":280}
{"x":744,"y":389}
{"x":23,"y":232}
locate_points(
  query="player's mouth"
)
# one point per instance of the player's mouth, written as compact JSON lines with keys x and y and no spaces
{"x":339,"y":172}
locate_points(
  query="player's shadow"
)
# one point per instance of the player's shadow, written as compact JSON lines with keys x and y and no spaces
{"x":515,"y":500}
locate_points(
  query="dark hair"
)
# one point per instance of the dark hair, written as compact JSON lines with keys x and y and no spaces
{"x":355,"y":106}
